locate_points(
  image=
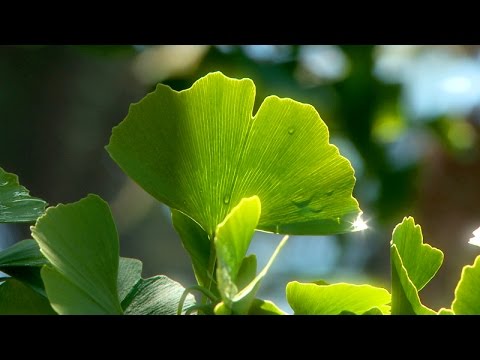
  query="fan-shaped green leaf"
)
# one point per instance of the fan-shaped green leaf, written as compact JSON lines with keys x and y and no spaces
{"x":16,"y":205}
{"x":413,"y":264}
{"x":421,"y":261}
{"x":200,"y":151}
{"x":81,"y":243}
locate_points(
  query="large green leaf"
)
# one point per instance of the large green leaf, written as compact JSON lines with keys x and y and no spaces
{"x":200,"y":151}
{"x":313,"y":299}
{"x":467,"y":293}
{"x":232,"y":238}
{"x":81,"y":243}
{"x":19,"y":299}
{"x":157,"y":295}
{"x":421,"y":261}
{"x":16,"y":205}
{"x":23,"y":261}
{"x":413,"y":264}
{"x":197,"y":243}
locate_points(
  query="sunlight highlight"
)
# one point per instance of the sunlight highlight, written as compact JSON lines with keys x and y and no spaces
{"x":476,"y":239}
{"x":359,"y":224}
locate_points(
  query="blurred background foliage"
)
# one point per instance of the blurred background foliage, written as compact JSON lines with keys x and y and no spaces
{"x":407,"y":117}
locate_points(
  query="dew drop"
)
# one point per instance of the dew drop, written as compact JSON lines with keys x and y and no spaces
{"x":291,"y":130}
{"x":318,"y":209}
{"x":329,"y":193}
{"x":226,"y":199}
{"x":302,"y":201}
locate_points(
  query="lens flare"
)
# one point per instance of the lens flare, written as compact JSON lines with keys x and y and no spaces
{"x":359,"y":224}
{"x":476,"y":238}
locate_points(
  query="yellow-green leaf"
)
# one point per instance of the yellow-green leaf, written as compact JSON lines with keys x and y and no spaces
{"x":201,"y":151}
{"x":467,"y":293}
{"x":313,"y":299}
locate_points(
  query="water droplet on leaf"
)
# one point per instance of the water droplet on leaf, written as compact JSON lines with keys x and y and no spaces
{"x":317,"y":209}
{"x":302,"y":201}
{"x":226,"y":199}
{"x":291,"y":130}
{"x":329,"y":193}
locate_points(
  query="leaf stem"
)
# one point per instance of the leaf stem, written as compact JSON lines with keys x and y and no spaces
{"x":187,"y":291}
{"x":212,"y":261}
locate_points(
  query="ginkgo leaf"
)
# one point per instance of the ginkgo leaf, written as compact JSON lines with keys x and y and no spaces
{"x":405,"y":299}
{"x":413,"y":264}
{"x":236,"y":277}
{"x":313,"y":299}
{"x":467,"y":293}
{"x":232,"y":238}
{"x":18,"y":299}
{"x":201,"y":151}
{"x":16,"y":205}
{"x":421,"y":261}
{"x":80,"y":242}
{"x":23,"y":261}
{"x":158,"y":295}
{"x":196,"y":242}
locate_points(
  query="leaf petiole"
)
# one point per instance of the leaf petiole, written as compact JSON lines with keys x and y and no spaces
{"x":189,"y":290}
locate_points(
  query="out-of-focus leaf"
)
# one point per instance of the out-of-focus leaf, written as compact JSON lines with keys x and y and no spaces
{"x":19,"y":299}
{"x":16,"y":205}
{"x":23,"y":261}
